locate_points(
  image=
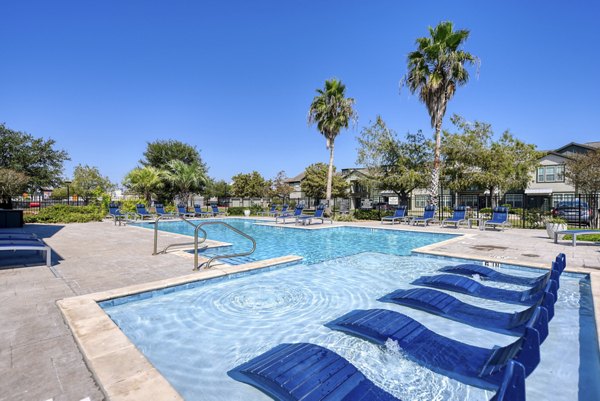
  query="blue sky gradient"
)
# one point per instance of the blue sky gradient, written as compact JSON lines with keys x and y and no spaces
{"x":236,"y":78}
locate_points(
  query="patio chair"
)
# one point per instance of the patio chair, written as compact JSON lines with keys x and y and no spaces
{"x":473,"y":365}
{"x":499,"y":218}
{"x":284,"y":216}
{"x":182,"y":211}
{"x":459,"y":215}
{"x":141,"y":211}
{"x":116,"y":214}
{"x":216,"y":211}
{"x":30,"y":244}
{"x":399,"y":214}
{"x":199,"y":213}
{"x":271,"y":212}
{"x":304,"y":219}
{"x":160,"y":210}
{"x":428,"y":216}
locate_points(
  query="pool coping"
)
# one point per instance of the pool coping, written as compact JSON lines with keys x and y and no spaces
{"x":123,"y":373}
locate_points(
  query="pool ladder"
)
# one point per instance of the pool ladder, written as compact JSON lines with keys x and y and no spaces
{"x":198,"y":241}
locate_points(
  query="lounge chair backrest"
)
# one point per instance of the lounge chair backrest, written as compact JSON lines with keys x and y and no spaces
{"x":181,"y":209}
{"x":272,"y":208}
{"x":113,"y":209}
{"x":215,"y":208}
{"x":500,"y":214}
{"x":141,"y":208}
{"x":298,"y":210}
{"x":459,"y":213}
{"x":197,"y":208}
{"x":429,"y":212}
{"x":284,"y":208}
{"x":159,"y":208}
{"x":319,"y":212}
{"x":400,"y":211}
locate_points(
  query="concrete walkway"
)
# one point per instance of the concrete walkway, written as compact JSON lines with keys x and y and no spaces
{"x":39,"y":359}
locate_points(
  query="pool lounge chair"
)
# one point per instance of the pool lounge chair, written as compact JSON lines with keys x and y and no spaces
{"x":303,"y":371}
{"x":271,"y":212}
{"x":216,"y":212}
{"x":445,"y":305}
{"x":465,"y":285}
{"x":487,"y":273}
{"x":32,"y":244}
{"x":499,"y":218}
{"x":199,"y":213}
{"x":182,"y":211}
{"x":476,"y":366}
{"x":574,"y":234}
{"x":8,"y":235}
{"x":141,"y":211}
{"x":116,"y":214}
{"x":428,"y":216}
{"x":297,"y":212}
{"x":307,"y":219}
{"x":399,"y":214}
{"x":458,"y":216}
{"x":160,"y":210}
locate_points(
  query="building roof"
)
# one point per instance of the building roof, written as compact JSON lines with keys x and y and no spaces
{"x":297,"y":178}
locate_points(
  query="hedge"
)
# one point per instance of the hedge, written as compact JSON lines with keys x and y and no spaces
{"x":66,"y":214}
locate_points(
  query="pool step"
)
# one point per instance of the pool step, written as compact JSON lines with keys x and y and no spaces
{"x":240,"y":260}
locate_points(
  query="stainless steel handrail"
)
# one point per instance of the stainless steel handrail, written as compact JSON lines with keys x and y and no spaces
{"x":232,"y":255}
{"x":195,"y":243}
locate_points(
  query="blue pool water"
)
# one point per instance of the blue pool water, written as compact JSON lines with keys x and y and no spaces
{"x":313,"y":245}
{"x":195,"y":336}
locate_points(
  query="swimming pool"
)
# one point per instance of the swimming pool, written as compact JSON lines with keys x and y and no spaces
{"x":195,"y":336}
{"x":313,"y":245}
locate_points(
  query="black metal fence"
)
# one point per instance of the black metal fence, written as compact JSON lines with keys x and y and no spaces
{"x":34,"y":206}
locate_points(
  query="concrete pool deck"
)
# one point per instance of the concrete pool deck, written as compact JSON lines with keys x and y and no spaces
{"x":41,"y":360}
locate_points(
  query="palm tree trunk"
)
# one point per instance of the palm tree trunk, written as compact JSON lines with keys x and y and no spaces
{"x":435,"y":172}
{"x":329,"y":175}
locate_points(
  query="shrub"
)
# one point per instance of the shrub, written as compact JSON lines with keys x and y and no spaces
{"x":66,"y":214}
{"x":371,"y":214}
{"x":344,"y":217}
{"x":236,"y":211}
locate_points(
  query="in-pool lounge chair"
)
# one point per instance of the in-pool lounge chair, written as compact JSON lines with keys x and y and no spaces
{"x":445,"y":305}
{"x":116,"y":214}
{"x":399,"y":215}
{"x":307,"y":219}
{"x":29,"y":244}
{"x":465,"y":285}
{"x":141,"y":211}
{"x":458,"y":216}
{"x":476,"y":366}
{"x":199,"y":213}
{"x":487,"y":273}
{"x":428,"y":216}
{"x":297,"y":212}
{"x":499,"y":218}
{"x":303,"y":371}
{"x":182,"y":211}
{"x":216,"y":212}
{"x":160,"y":210}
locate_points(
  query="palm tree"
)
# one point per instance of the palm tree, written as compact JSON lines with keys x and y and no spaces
{"x":186,"y":178}
{"x":143,"y":181}
{"x":435,"y":70}
{"x":331,"y":111}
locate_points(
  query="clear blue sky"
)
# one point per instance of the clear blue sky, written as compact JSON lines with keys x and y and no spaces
{"x":235,"y":78}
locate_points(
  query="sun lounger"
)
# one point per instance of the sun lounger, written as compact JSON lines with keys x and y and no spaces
{"x":199,"y":213}
{"x":574,"y":233}
{"x":160,"y":210}
{"x":399,"y":214}
{"x":271,"y":212}
{"x":499,"y":218}
{"x":305,"y":371}
{"x":27,"y":245}
{"x":476,"y":366}
{"x":465,"y":285}
{"x":445,"y":305}
{"x":304,"y":219}
{"x":216,"y":212}
{"x":458,"y":216}
{"x":18,"y":236}
{"x":116,"y":214}
{"x":182,"y":211}
{"x":283,"y":217}
{"x":486,"y":273}
{"x":428,"y":216}
{"x":141,"y":211}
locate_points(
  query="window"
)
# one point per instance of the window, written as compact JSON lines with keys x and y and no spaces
{"x":551,"y":174}
{"x":514,"y":200}
{"x":468,"y":200}
{"x":557,"y":198}
{"x":421,"y":201}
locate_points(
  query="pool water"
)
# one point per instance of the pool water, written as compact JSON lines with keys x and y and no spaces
{"x":313,"y":245}
{"x":193,"y":337}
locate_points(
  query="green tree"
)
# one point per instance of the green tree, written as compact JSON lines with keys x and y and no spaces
{"x":185,"y":178}
{"x":217,"y":189}
{"x":315,"y":180}
{"x":392,"y":164}
{"x":473,"y":158}
{"x":331,"y":110}
{"x":12,"y":183}
{"x":280,"y":188}
{"x":582,"y":172}
{"x":144,"y":181}
{"x":89,"y":183}
{"x":34,"y":157}
{"x":251,"y":185}
{"x":435,"y":70}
